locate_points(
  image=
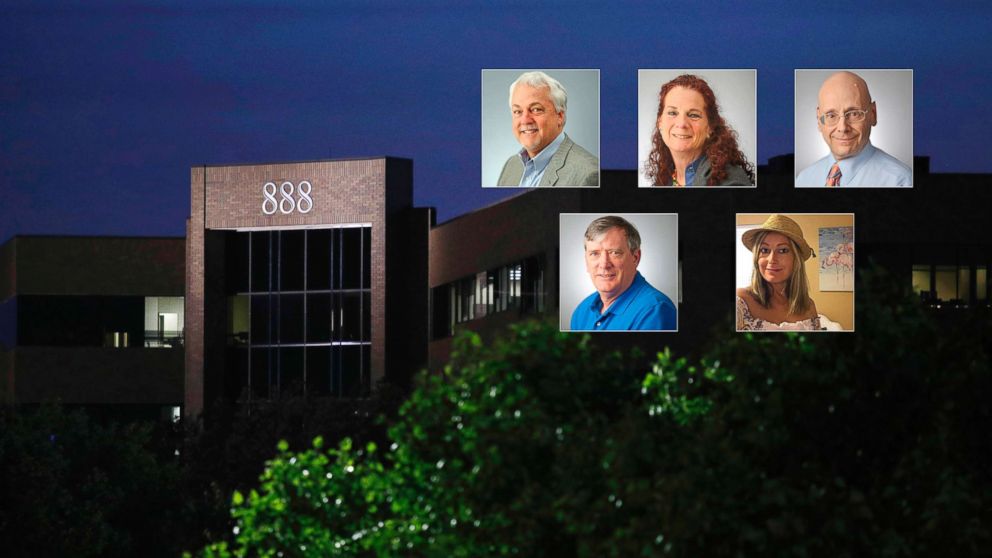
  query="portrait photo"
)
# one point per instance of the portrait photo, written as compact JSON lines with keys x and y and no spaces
{"x":795,"y":272}
{"x":618,"y":272}
{"x":697,"y":128}
{"x":540,"y":128}
{"x":854,"y":128}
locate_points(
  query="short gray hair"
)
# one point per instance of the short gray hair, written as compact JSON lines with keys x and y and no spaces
{"x":540,"y":79}
{"x":600,"y":226}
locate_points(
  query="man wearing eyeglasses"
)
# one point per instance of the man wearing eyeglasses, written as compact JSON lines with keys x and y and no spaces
{"x":845,"y":116}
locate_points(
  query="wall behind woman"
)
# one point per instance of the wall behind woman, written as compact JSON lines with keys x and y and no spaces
{"x":838,"y":306}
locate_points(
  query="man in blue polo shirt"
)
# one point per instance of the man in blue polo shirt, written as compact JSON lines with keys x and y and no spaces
{"x":624,"y":300}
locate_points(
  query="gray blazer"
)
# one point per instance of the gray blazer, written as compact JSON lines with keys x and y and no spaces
{"x":735,"y":175}
{"x":571,"y":165}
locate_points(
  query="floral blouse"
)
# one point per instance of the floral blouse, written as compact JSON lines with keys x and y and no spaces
{"x":747,"y":322}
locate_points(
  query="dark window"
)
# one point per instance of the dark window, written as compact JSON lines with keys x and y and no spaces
{"x":260,"y":251}
{"x":319,"y":318}
{"x":291,"y":318}
{"x":307,"y":296}
{"x":292,"y":262}
{"x":350,"y":318}
{"x":319,"y":260}
{"x":236,"y":272}
{"x":366,"y":261}
{"x":261,"y":319}
{"x":351,"y":258}
{"x":81,"y":321}
{"x":366,"y":316}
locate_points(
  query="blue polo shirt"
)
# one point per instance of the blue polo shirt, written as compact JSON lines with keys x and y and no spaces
{"x":641,"y":307}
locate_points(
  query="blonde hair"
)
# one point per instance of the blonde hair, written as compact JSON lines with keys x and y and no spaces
{"x":796,"y":288}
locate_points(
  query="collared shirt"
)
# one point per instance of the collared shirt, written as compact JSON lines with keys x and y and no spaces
{"x":641,"y":307}
{"x":534,"y":167}
{"x":871,"y":167}
{"x":690,"y":171}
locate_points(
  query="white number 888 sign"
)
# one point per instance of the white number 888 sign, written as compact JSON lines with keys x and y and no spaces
{"x":287,"y":204}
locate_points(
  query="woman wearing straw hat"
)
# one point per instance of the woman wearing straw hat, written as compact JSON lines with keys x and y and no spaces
{"x":778,"y":297}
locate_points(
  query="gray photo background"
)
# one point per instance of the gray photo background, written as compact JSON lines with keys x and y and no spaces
{"x":736,"y":95}
{"x":498,"y":140}
{"x":659,"y":256}
{"x":892,"y":91}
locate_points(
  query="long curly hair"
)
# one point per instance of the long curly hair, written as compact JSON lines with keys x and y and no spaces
{"x":720,"y":148}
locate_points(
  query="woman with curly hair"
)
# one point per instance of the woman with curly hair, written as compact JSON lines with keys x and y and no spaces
{"x":692,"y":144}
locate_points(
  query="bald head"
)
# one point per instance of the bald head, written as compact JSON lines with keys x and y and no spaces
{"x":844,"y":96}
{"x":842,"y":82}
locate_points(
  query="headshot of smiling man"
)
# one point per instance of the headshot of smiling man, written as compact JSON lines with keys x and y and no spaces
{"x":857,"y":113}
{"x":616,"y":271}
{"x":706,"y":121}
{"x":548,"y":123}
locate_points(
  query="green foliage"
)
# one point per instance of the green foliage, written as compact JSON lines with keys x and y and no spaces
{"x":73,"y":487}
{"x":229,"y":449}
{"x":516,"y":449}
{"x":872,"y":443}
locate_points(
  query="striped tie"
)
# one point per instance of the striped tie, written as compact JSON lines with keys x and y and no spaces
{"x":833,"y":177}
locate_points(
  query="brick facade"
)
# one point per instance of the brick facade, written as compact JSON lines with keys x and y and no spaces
{"x":372,"y":192}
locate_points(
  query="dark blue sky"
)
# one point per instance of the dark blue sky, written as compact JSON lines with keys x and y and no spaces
{"x":106,"y":105}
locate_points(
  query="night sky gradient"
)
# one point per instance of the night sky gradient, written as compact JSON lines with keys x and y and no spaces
{"x":106,"y":105}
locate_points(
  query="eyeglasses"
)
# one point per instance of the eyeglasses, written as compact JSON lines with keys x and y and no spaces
{"x":832,"y":118}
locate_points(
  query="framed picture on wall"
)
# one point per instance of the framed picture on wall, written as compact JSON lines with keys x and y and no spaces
{"x":837,"y":259}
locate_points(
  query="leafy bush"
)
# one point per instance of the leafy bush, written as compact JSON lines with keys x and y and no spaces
{"x":228,"y":448}
{"x":70,"y":486}
{"x":874,"y":443}
{"x":74,"y":486}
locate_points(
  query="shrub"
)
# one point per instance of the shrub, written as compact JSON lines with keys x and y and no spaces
{"x":872,"y":443}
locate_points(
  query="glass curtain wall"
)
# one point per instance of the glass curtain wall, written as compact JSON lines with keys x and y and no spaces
{"x":299,"y":307}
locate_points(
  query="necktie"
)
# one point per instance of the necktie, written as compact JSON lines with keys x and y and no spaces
{"x":833,"y":177}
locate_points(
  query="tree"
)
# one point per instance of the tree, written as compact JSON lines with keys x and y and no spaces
{"x":228,"y":448}
{"x":70,"y":486}
{"x":872,"y":443}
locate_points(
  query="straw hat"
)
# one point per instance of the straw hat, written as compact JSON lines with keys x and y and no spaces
{"x":782,"y":225}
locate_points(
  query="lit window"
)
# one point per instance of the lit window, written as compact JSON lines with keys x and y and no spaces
{"x":921,"y":280}
{"x":518,"y":285}
{"x":981,"y":283}
{"x":946,"y":279}
{"x":164,"y":321}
